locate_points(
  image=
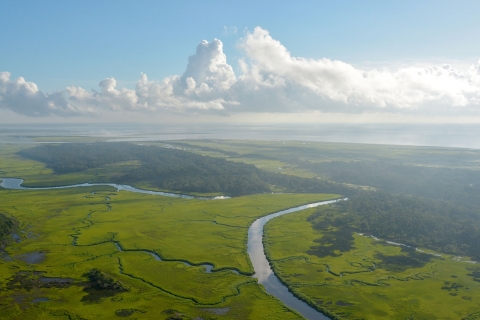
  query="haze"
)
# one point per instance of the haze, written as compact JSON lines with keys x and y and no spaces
{"x":249,"y":160}
{"x":181,"y":62}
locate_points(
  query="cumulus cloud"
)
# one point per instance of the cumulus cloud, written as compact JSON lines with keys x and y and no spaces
{"x":24,"y":98}
{"x":352,"y":89}
{"x":271,"y":80}
{"x":209,"y":67}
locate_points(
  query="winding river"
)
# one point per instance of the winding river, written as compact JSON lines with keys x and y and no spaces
{"x":263,"y":271}
{"x":16,"y":184}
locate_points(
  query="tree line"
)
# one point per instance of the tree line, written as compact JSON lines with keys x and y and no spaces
{"x":175,"y":169}
{"x":455,"y":185}
{"x":436,"y":208}
{"x":415,"y":221}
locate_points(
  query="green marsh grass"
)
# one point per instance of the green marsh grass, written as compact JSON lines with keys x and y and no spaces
{"x":441,"y":288}
{"x":76,"y":229}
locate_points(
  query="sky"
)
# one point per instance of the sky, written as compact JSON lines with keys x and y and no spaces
{"x":248,"y":61}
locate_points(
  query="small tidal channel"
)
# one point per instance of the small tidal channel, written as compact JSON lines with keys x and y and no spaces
{"x":16,"y":184}
{"x":263,"y":271}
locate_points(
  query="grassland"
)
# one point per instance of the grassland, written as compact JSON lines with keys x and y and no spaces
{"x":287,"y":157}
{"x":75,"y":230}
{"x":36,"y":174}
{"x":272,"y":154}
{"x":357,"y":277}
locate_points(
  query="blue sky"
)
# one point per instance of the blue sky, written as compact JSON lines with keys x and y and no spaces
{"x":56,"y":44}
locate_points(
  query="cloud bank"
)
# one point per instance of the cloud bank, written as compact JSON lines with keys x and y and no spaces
{"x":271,"y":81}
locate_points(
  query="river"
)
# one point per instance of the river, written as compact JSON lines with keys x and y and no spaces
{"x":263,"y":271}
{"x":16,"y":184}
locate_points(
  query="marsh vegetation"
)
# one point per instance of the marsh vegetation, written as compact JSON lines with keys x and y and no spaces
{"x":158,"y":247}
{"x":349,"y":275}
{"x":173,"y":169}
{"x":81,"y":229}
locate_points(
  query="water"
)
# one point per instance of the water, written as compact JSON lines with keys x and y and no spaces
{"x":32,"y":257}
{"x":16,"y":184}
{"x":208,"y":267}
{"x":440,"y":135}
{"x":265,"y":274}
{"x":55,"y":280}
{"x":262,"y":269}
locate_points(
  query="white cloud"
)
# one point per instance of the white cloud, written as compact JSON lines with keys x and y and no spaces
{"x":24,"y":98}
{"x":272,"y":81}
{"x":422,"y":89}
{"x":209,"y":66}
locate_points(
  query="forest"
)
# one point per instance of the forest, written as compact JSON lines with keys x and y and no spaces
{"x":415,"y":221}
{"x":108,"y":242}
{"x":424,"y":197}
{"x":177,"y":170}
{"x":455,"y":185}
{"x":431,"y":207}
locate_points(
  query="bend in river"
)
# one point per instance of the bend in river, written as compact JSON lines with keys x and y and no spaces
{"x":265,"y":274}
{"x":16,"y":184}
{"x":256,"y":252}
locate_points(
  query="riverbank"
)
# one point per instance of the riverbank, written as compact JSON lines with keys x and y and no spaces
{"x":183,"y":230}
{"x":351,"y":275}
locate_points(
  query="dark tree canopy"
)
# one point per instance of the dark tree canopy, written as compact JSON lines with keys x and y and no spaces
{"x":456,"y":185}
{"x":174,"y":169}
{"x":6,"y":225}
{"x":432,"y":207}
{"x":422,"y":222}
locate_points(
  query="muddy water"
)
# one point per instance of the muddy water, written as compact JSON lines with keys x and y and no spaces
{"x":265,"y":274}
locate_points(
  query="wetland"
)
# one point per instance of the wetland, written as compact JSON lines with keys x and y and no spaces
{"x":85,"y":236}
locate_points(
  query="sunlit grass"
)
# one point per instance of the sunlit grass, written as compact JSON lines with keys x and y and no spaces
{"x":197,"y":231}
{"x":360,"y":292}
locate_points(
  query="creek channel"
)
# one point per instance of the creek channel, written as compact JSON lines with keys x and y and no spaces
{"x":16,"y":184}
{"x":263,"y":271}
{"x":261,"y":266}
